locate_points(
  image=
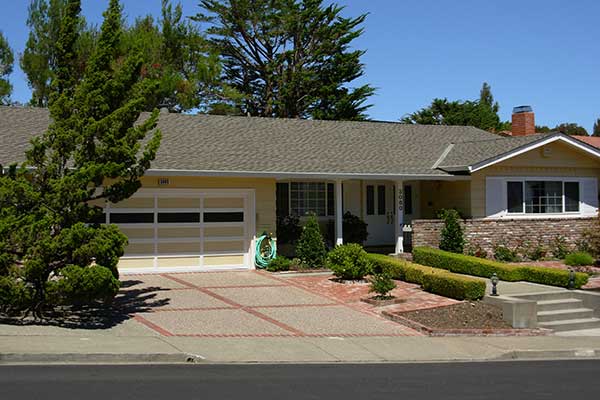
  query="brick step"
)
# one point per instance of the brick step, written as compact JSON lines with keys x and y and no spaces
{"x":571,"y":324}
{"x":559,"y":304}
{"x":562,"y":315}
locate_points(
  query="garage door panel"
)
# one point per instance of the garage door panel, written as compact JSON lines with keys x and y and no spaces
{"x":225,"y":247}
{"x":139,"y":248}
{"x":132,"y":233}
{"x":215,"y":261}
{"x":179,"y":248}
{"x":183,"y":202}
{"x":227,"y":202}
{"x":167,"y":233}
{"x":178,"y":262}
{"x":224,"y":231}
{"x":135,"y":202}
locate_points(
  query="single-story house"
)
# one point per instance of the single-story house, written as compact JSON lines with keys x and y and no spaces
{"x":219,"y":181}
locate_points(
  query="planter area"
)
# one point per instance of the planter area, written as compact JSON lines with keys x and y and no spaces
{"x":466,"y":318}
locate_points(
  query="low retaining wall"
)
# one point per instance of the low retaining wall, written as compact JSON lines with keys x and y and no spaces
{"x":513,"y":233}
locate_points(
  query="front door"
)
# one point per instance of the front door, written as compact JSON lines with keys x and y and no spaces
{"x":379,"y":212}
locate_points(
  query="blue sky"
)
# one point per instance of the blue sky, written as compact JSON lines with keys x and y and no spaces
{"x":542,"y":53}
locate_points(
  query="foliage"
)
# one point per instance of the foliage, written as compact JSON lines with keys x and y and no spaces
{"x":559,"y":247}
{"x":382,"y":284}
{"x":596,"y":131}
{"x":506,"y":254}
{"x":349,"y":261}
{"x":310,"y":248}
{"x":288,"y":229}
{"x":288,"y":58}
{"x":7,"y":59}
{"x":481,"y":113}
{"x":90,"y":153}
{"x":579,"y":259}
{"x":463,"y":264}
{"x":279,"y":263}
{"x":570,"y":128}
{"x":40,"y":57}
{"x":535,"y":252}
{"x":476,"y":250}
{"x":452,"y":237}
{"x":433,"y":280}
{"x":591,"y":239}
{"x":354,"y":229}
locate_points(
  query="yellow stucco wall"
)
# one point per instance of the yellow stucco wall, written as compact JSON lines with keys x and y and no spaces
{"x":437,"y":195}
{"x":264,"y":189}
{"x":560,"y":160}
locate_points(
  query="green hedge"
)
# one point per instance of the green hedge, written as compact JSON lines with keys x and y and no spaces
{"x":434,"y":280}
{"x":469,"y":265}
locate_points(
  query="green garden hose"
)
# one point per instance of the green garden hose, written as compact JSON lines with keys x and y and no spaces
{"x":265,"y":254}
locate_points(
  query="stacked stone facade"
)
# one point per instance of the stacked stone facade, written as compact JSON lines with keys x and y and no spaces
{"x":513,"y":233}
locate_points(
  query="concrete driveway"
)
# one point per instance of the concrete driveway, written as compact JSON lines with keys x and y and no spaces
{"x":249,"y":304}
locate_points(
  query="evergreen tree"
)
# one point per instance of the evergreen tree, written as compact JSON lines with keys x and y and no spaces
{"x":482,"y":113}
{"x":6,"y":66}
{"x":52,"y":250}
{"x":596,"y":131}
{"x":288,"y":58}
{"x":310,"y":248}
{"x":452,"y":236}
{"x":571,"y":128}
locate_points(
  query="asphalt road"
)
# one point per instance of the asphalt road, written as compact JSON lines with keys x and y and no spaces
{"x":501,"y":380}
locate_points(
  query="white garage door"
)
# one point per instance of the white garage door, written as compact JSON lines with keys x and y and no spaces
{"x":173,"y":230}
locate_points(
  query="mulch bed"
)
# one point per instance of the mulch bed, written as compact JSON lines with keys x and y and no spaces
{"x":466,"y":318}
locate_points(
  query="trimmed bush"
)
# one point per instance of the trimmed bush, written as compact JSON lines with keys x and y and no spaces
{"x":84,"y":285}
{"x":579,"y":259}
{"x":469,"y":265}
{"x":349,"y":261}
{"x":503,"y":253}
{"x":279,"y":263}
{"x":310,"y":248}
{"x":433,"y":280}
{"x":382,"y":284}
{"x":451,"y":237}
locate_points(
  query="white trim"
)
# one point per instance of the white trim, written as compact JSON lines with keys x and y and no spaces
{"x":339,"y":234}
{"x":553,"y":138}
{"x":300,"y":175}
{"x":399,"y":223}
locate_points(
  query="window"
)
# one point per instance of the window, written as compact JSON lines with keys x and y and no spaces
{"x":311,"y":197}
{"x":283,"y":199}
{"x":542,"y":197}
{"x":515,"y":197}
{"x":381,"y":200}
{"x":192,"y":217}
{"x":370,"y":200}
{"x":131,"y":218}
{"x":408,"y":206}
{"x":223,"y":217}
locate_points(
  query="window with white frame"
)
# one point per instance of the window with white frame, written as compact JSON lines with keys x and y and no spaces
{"x":303,"y":198}
{"x":542,"y":197}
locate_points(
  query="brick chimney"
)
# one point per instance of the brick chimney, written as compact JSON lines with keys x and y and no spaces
{"x":523,"y":121}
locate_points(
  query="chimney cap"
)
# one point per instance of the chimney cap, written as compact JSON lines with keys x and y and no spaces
{"x":522,"y":109}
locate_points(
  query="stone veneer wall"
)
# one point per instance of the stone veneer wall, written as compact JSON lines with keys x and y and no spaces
{"x":510,"y":232}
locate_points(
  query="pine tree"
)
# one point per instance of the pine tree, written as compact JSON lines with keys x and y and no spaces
{"x":310,"y":248}
{"x":52,"y":250}
{"x":288,"y":58}
{"x":596,"y":131}
{"x":452,"y":237}
{"x":6,"y":67}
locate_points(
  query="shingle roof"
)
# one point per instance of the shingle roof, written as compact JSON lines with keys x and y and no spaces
{"x":591,"y":140}
{"x":290,"y":146}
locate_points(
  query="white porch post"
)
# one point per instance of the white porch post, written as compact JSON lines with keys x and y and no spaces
{"x":339,"y":238}
{"x":399,"y":224}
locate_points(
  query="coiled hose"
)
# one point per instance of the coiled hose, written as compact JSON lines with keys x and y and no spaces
{"x":265,"y":254}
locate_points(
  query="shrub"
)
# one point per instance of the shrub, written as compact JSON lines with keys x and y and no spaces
{"x":279,"y":263}
{"x":592,"y":238}
{"x":288,"y":229}
{"x":452,"y":238}
{"x":535,"y":252}
{"x":476,"y":250}
{"x":310,"y":248}
{"x":382,"y":284}
{"x":559,"y":247}
{"x":14,"y":296}
{"x":468,"y":265}
{"x":434,"y":280}
{"x":79,"y":286}
{"x":354,"y":229}
{"x":503,"y":253}
{"x":349,"y":261}
{"x":579,"y":259}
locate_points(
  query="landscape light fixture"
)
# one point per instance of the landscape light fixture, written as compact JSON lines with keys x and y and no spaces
{"x":494,"y":279}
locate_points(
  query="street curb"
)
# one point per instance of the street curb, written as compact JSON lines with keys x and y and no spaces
{"x":99,"y":358}
{"x":550,"y":354}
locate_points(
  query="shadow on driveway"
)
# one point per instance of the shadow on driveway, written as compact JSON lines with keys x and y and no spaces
{"x":132,"y":299}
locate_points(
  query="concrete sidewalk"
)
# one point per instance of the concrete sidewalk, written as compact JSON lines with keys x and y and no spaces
{"x":146,"y":349}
